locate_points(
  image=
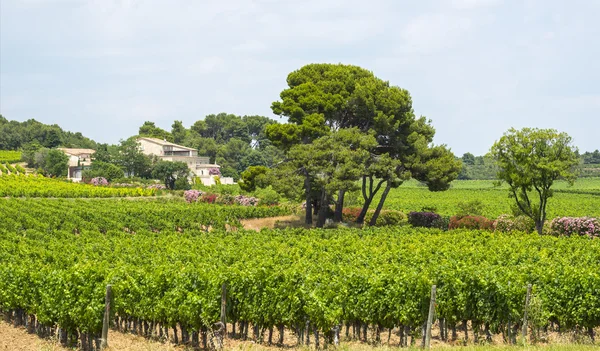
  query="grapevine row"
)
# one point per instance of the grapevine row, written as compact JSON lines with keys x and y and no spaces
{"x":294,"y":279}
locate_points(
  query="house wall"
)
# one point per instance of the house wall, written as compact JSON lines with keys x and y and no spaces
{"x":149,"y":148}
{"x":73,"y":160}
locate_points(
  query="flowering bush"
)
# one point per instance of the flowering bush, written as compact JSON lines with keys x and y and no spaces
{"x":192,"y":195}
{"x":471,"y":222}
{"x":123,"y":185}
{"x":157,"y":187}
{"x":349,"y":214}
{"x":214,"y":171}
{"x":209,"y":198}
{"x":568,"y":226}
{"x":423,"y":219}
{"x":509,"y":223}
{"x":99,"y":181}
{"x":246,"y":200}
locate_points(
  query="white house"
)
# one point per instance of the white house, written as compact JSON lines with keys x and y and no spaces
{"x":200,"y":166}
{"x":79,"y":160}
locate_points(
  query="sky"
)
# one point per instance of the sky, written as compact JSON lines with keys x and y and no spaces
{"x":474,"y":67}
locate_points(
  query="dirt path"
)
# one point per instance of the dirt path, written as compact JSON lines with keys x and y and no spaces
{"x":269,"y":222}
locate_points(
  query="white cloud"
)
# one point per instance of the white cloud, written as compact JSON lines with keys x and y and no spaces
{"x":434,"y":31}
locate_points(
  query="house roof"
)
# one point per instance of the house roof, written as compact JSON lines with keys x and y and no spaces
{"x":76,"y":152}
{"x":165,"y":143}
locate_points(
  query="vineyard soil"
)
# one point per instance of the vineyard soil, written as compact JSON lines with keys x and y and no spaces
{"x":18,"y":339}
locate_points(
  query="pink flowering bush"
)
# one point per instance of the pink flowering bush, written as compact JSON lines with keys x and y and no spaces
{"x":192,"y":195}
{"x":214,"y":171}
{"x":567,"y":226}
{"x":99,"y":181}
{"x":508,"y":223}
{"x":246,"y":200}
{"x":157,"y":187}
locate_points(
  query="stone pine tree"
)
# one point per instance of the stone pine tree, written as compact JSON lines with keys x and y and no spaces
{"x":349,"y":96}
{"x":334,"y":163}
{"x":530,"y":161}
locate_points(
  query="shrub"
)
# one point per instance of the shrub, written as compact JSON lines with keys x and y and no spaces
{"x":209,"y":198}
{"x":507,"y":223}
{"x":246,"y":200}
{"x":567,"y":226}
{"x":182,"y":184}
{"x":157,"y":186}
{"x":470,"y":208}
{"x":225,"y":199}
{"x":349,"y":214}
{"x":99,"y":181}
{"x":423,"y":219}
{"x":387,"y":217}
{"x":192,"y":195}
{"x":471,"y":222}
{"x":442,"y":223}
{"x":268,"y":196}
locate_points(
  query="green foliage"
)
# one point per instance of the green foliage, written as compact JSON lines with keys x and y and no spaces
{"x":376,"y":276}
{"x":131,"y":159}
{"x":253,"y":177}
{"x":268,"y":196}
{"x":149,"y":129}
{"x":388,"y":218}
{"x":105,"y":170}
{"x":10,"y":156}
{"x":16,"y":135}
{"x":182,"y":184}
{"x":169,"y":172}
{"x":470,"y":208}
{"x":39,"y":186}
{"x":508,"y":223}
{"x":530,"y":161}
{"x":56,"y":163}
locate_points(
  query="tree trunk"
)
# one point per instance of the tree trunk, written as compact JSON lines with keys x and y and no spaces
{"x":323,"y":210}
{"x":380,"y":204}
{"x":339,"y":206}
{"x":539,"y":226}
{"x":367,"y":197}
{"x":308,"y":218}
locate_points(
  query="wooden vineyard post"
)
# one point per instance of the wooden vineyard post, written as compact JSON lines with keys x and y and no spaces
{"x":508,"y":324}
{"x":106,"y":322}
{"x":527,"y":299}
{"x":430,"y":317}
{"x":224,"y":308}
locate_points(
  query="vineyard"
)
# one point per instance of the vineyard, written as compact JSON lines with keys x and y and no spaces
{"x":38,"y":186}
{"x":581,"y":200}
{"x":313,"y":283}
{"x":130,"y":216}
{"x":7,"y":156}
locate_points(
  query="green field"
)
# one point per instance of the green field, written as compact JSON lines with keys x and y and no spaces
{"x":582,"y":199}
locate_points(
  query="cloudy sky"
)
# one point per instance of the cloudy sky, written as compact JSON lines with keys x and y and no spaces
{"x":475,"y":67}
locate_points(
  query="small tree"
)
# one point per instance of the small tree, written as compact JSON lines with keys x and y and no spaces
{"x":56,"y":163}
{"x":169,"y":172}
{"x":530,"y":160}
{"x":253,"y":177}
